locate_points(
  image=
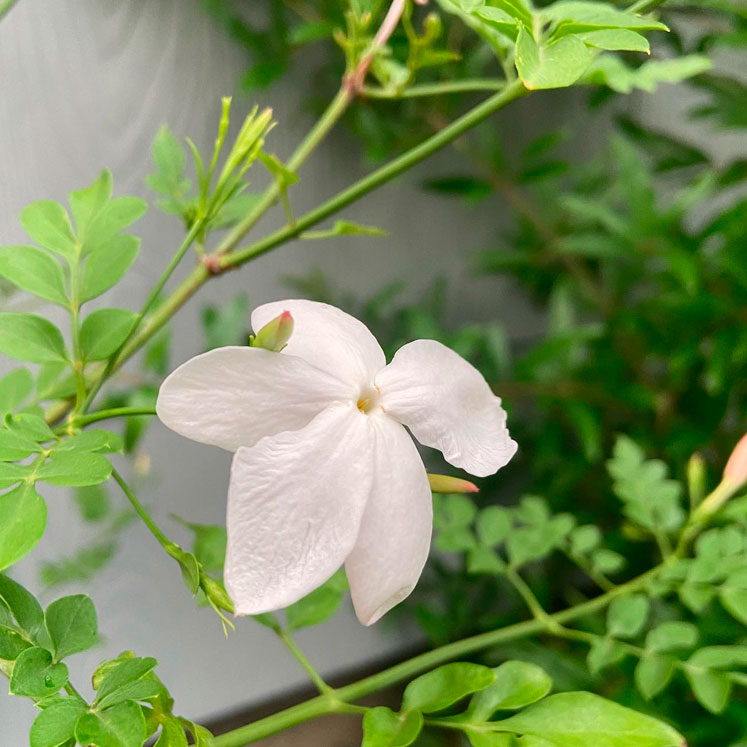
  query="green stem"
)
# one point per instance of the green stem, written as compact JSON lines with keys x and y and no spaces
{"x":113,"y":412}
{"x":78,"y":364}
{"x":435,"y":89}
{"x":406,"y":670}
{"x":316,"y":678}
{"x":380,"y":176}
{"x":201,"y":273}
{"x":531,"y":601}
{"x":326,"y":122}
{"x":140,"y":510}
{"x":112,"y":363}
{"x":6,"y":6}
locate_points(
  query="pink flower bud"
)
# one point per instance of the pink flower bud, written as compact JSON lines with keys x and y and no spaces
{"x":449,"y":484}
{"x":275,"y":334}
{"x":736,"y":468}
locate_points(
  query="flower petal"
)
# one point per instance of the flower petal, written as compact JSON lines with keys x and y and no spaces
{"x":294,"y":509}
{"x":448,"y":405}
{"x":327,"y":338}
{"x":233,"y":396}
{"x":395,"y":533}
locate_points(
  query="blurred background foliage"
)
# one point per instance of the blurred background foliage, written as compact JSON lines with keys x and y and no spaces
{"x":637,"y":257}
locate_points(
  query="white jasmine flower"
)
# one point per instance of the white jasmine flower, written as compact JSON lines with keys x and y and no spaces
{"x":324,"y":472}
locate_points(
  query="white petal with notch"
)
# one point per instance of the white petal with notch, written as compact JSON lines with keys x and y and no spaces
{"x":448,"y":405}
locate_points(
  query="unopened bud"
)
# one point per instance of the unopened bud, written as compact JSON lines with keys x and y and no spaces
{"x":736,"y":468}
{"x":215,"y":593}
{"x":275,"y":334}
{"x":449,"y":484}
{"x":696,"y":479}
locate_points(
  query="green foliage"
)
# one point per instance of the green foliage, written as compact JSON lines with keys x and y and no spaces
{"x":579,"y":719}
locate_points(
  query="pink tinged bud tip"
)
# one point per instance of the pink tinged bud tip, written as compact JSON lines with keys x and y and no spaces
{"x":736,"y":468}
{"x":449,"y":484}
{"x":275,"y":334}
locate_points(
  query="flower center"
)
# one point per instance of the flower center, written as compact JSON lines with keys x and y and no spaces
{"x":368,"y":399}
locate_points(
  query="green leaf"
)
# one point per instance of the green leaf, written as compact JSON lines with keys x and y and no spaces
{"x":578,"y":16}
{"x":584,"y":539}
{"x":494,"y":739}
{"x":11,"y":474}
{"x":453,"y":511}
{"x":653,"y":673}
{"x":438,"y":689}
{"x":384,"y":728}
{"x":481,"y":559}
{"x":733,"y":595}
{"x":36,"y":675}
{"x":55,"y":725}
{"x":75,"y":469}
{"x":712,"y":689}
{"x":603,"y":653}
{"x":12,"y":644}
{"x":607,"y":561}
{"x":48,"y":224}
{"x":72,"y":625}
{"x":95,"y":439}
{"x":106,"y":266}
{"x":188,"y":565}
{"x":15,"y":388}
{"x":611,"y":71}
{"x":103,"y":332}
{"x":493,"y":525}
{"x":583,"y":719}
{"x":172,"y":734}
{"x":344,"y":228}
{"x":34,"y":271}
{"x":14,"y":446}
{"x":135,"y":691}
{"x":115,"y":216}
{"x":23,"y":519}
{"x":27,"y":337}
{"x":87,"y":202}
{"x":555,"y":65}
{"x":118,"y":674}
{"x":626,"y":616}
{"x":170,"y":163}
{"x":22,"y":605}
{"x":455,"y":540}
{"x":670,"y":636}
{"x":120,"y":726}
{"x":318,"y":606}
{"x":30,"y":426}
{"x":616,"y":39}
{"x":93,"y":502}
{"x":517,"y":685}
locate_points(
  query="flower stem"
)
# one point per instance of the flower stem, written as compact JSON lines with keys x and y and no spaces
{"x":141,"y":511}
{"x":385,"y":174}
{"x":435,"y":89}
{"x":316,"y":678}
{"x":406,"y":670}
{"x":194,"y":281}
{"x":113,"y":412}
